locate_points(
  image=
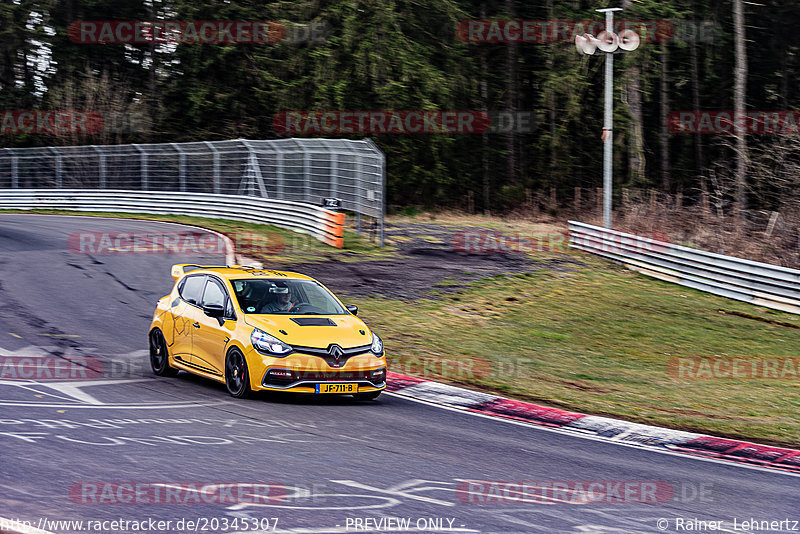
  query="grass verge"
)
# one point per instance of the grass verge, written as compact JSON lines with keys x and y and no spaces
{"x":599,"y":340}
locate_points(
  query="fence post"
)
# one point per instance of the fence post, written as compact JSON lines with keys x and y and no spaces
{"x":307,"y":175}
{"x":382,"y":192}
{"x":279,"y":179}
{"x":334,"y":187}
{"x":14,"y":169}
{"x":59,"y":177}
{"x":214,"y":150}
{"x":101,"y":166}
{"x":181,"y":166}
{"x":381,"y":234}
{"x":577,"y":200}
{"x":252,"y":162}
{"x":145,"y":179}
{"x":359,"y":191}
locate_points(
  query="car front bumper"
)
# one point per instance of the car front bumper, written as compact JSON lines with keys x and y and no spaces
{"x":310,"y":370}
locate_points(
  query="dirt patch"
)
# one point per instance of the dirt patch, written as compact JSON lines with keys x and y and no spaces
{"x":425,"y":262}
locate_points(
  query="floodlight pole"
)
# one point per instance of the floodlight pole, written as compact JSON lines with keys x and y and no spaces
{"x":608,"y":122}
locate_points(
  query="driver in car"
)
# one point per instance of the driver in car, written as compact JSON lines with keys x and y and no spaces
{"x":280,"y":301}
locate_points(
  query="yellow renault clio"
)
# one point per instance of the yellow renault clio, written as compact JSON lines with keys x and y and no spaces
{"x":256,"y":329}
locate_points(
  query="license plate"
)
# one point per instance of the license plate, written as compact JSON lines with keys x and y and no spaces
{"x":337,"y":387}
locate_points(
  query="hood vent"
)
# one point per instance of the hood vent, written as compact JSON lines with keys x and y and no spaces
{"x":313,"y":321}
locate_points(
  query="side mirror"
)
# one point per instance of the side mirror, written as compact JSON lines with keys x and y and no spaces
{"x":214,"y":310}
{"x":352,"y":309}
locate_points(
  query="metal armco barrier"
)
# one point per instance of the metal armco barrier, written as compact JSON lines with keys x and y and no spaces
{"x":758,"y":283}
{"x":295,"y":170}
{"x":325,"y":225}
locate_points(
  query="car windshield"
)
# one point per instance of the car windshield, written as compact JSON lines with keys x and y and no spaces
{"x":285,"y":297}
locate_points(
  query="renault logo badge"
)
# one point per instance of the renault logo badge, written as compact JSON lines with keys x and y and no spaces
{"x":336,"y":353}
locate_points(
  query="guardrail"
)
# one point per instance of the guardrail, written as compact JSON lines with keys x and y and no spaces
{"x":758,"y":283}
{"x":325,"y":225}
{"x":296,"y":170}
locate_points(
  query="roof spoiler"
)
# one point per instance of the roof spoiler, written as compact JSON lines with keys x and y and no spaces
{"x":179,"y":269}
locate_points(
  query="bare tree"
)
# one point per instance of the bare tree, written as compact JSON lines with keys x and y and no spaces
{"x":739,"y":96}
{"x":663,"y":130}
{"x":511,"y":99}
{"x":698,"y":138}
{"x":632,"y":91}
{"x":485,"y":135}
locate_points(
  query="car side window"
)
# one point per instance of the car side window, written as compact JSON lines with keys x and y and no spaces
{"x":214,"y":295}
{"x":192,"y":288}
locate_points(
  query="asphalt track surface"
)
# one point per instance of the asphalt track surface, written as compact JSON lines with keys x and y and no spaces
{"x":332,"y":464}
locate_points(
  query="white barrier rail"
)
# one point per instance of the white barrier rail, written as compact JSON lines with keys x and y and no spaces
{"x":758,"y":283}
{"x":325,"y":225}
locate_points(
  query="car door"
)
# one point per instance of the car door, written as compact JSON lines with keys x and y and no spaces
{"x":210,"y":339}
{"x":184,"y":315}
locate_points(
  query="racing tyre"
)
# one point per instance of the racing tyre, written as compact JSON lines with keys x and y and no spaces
{"x":367,"y":396}
{"x":237,"y":377}
{"x":159,"y":357}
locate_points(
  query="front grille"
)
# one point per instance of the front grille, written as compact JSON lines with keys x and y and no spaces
{"x":329,"y":359}
{"x":324,"y":376}
{"x":355,"y":351}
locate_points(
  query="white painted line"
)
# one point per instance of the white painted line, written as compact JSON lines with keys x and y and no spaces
{"x":581,"y":434}
{"x":154,"y":406}
{"x":394,"y":491}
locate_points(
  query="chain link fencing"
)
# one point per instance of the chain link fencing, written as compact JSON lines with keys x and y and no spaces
{"x":295,"y":170}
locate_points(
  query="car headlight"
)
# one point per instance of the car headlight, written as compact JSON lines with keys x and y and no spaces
{"x":377,"y":344}
{"x":267,"y":344}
